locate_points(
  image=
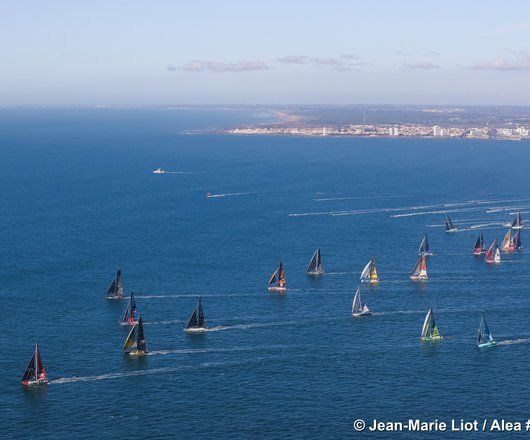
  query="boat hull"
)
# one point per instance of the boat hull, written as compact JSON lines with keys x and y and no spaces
{"x":315,"y":273}
{"x":361,"y":315}
{"x":196,"y":329}
{"x":425,"y":254}
{"x":487,"y":344}
{"x":418,"y":278}
{"x":34,"y":383}
{"x":114,"y":297}
{"x":137,"y":353}
{"x":433,"y":339}
{"x":277,"y":289}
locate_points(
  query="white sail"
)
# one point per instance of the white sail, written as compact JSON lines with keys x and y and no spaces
{"x":365,"y":274}
{"x":358,"y":305}
{"x":426,"y":324}
{"x":505,"y":246}
{"x":497,"y":257}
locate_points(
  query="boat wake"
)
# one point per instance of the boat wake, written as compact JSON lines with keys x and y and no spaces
{"x":150,"y":371}
{"x":217,"y":196}
{"x":216,"y":350}
{"x":175,"y":321}
{"x":514,"y":341}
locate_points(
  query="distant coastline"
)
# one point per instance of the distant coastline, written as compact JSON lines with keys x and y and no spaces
{"x":517,"y":133}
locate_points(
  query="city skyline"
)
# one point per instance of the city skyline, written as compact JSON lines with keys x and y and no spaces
{"x":269,"y":53}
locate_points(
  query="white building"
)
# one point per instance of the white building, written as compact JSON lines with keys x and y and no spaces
{"x":437,"y":131}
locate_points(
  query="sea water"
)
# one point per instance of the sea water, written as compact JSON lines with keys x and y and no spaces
{"x":79,"y":200}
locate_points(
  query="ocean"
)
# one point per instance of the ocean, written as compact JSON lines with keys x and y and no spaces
{"x":79,"y":201}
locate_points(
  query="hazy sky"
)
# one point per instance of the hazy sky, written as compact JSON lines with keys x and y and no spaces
{"x":228,"y":51}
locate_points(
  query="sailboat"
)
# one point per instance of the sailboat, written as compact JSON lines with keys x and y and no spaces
{"x":479,"y":245}
{"x":131,"y":314}
{"x":419,"y":273}
{"x":429,"y":331}
{"x":115,"y":290}
{"x":35,"y":374}
{"x":484,"y":339}
{"x":507,"y":244}
{"x":196,"y":322}
{"x":359,"y":308}
{"x":369,"y":273}
{"x":277,"y":280}
{"x":493,"y":255}
{"x":449,"y":225}
{"x":315,"y":265}
{"x":135,"y":344}
{"x":424,"y":248}
{"x":517,"y":222}
{"x":517,"y":241}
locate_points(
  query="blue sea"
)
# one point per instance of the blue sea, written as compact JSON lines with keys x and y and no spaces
{"x":79,"y":201}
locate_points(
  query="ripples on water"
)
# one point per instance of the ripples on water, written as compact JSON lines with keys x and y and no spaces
{"x":79,"y":200}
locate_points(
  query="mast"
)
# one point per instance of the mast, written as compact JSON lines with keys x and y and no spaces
{"x":427,"y":247}
{"x":421,"y":248}
{"x":119,"y":284}
{"x":484,"y":333}
{"x":491,"y":251}
{"x":281,"y":275}
{"x":272,"y":279}
{"x":365,"y":274}
{"x":478,"y":245}
{"x":358,"y":305}
{"x":197,"y":317}
{"x":373,"y":271}
{"x":507,"y":241}
{"x":517,"y":241}
{"x":449,"y":226}
{"x":112,"y":288}
{"x":141,"y":344}
{"x":429,"y":329}
{"x":315,"y":264}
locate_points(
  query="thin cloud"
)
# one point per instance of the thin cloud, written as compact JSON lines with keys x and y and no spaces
{"x":327,"y":61}
{"x":525,"y":25}
{"x":350,"y":56}
{"x":220,"y":66}
{"x":504,"y":64}
{"x":343,"y":62}
{"x":293,"y":59}
{"x":421,"y":65}
{"x":171,"y":68}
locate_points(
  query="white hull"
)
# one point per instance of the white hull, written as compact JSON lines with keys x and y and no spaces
{"x":362,"y":314}
{"x":487,"y":344}
{"x":34,"y":383}
{"x":438,"y":338}
{"x":277,"y":289}
{"x":451,"y":230}
{"x":418,"y":278}
{"x":196,"y":330}
{"x":315,"y":273}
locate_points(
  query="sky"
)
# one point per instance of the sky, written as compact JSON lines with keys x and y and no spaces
{"x":264,"y":52}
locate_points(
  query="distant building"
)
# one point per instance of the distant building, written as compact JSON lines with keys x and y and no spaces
{"x":437,"y":130}
{"x":523,"y":131}
{"x":393,"y":131}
